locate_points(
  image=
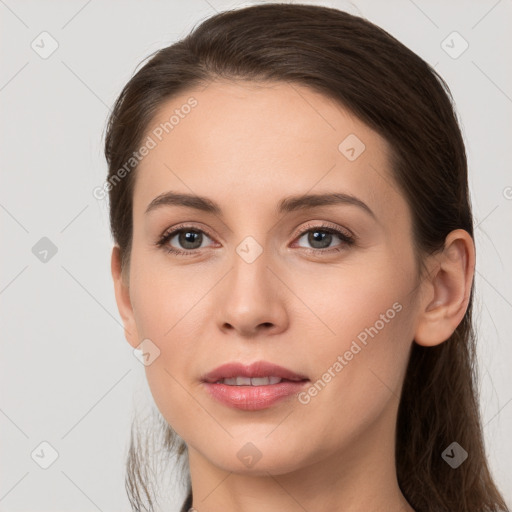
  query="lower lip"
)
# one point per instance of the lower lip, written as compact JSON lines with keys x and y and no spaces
{"x":253,"y":398}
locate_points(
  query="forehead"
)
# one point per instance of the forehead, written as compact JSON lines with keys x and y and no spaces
{"x":249,"y":144}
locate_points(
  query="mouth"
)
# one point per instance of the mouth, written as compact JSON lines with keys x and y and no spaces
{"x":252,"y":387}
{"x":259,"y":373}
{"x":254,"y":381}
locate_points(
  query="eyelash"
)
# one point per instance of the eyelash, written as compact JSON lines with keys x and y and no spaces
{"x":348,"y":240}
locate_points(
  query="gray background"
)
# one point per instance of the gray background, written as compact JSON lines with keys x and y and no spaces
{"x":67,"y":375}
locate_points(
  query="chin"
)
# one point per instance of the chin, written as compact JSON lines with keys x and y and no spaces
{"x":251,"y":458}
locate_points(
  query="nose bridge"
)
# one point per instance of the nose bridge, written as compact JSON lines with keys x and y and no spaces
{"x":250,"y":262}
{"x":252,"y":240}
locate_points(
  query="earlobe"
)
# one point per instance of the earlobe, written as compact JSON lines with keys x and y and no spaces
{"x":446,"y":290}
{"x":122,"y":295}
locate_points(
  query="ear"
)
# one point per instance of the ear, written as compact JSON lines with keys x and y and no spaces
{"x":446,"y":290}
{"x":122,"y":293}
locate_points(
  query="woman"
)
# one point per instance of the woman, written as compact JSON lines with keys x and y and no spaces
{"x":294,"y":256}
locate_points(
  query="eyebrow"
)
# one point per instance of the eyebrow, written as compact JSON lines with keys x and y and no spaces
{"x":286,"y":205}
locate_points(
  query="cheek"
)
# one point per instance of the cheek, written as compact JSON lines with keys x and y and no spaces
{"x":164,"y":306}
{"x":370,"y":321}
{"x":348,"y":300}
{"x":159,"y":298}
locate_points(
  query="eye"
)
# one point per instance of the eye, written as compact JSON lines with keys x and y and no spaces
{"x":188,"y":237}
{"x":320,"y":237}
{"x":191,"y":238}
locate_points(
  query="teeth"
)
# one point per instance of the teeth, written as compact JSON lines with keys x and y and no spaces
{"x":247,"y":381}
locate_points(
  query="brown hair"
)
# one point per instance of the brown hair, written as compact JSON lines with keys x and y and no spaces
{"x":402,"y":98}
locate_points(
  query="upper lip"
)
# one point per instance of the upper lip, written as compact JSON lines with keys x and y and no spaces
{"x":256,"y":369}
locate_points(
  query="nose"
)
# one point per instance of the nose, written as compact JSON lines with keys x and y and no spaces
{"x":252,"y":298}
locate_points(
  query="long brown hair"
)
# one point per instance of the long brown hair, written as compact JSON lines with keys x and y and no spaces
{"x":401,"y":97}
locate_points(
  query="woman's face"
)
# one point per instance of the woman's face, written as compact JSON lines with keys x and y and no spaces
{"x":264,"y":283}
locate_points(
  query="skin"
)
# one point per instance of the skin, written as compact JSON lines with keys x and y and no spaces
{"x":247,"y":146}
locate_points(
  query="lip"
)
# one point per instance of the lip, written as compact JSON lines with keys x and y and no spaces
{"x":253,"y":398}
